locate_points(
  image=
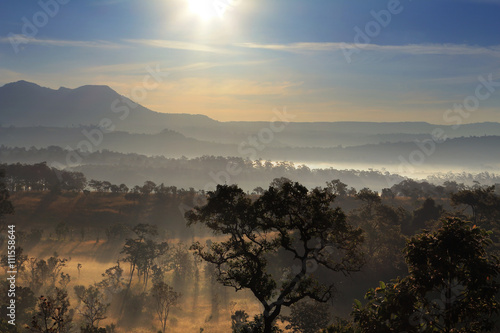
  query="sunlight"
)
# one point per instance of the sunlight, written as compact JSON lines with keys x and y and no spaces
{"x":203,"y":8}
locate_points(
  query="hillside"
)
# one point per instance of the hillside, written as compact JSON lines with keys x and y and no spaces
{"x":89,"y":105}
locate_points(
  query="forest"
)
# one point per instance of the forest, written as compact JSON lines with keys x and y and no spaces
{"x":413,"y":257}
{"x":214,"y":166}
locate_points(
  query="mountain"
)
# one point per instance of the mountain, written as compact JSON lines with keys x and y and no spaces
{"x":25,"y":104}
{"x":28,"y":104}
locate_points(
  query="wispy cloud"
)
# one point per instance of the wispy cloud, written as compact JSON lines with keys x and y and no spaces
{"x":22,"y":39}
{"x":416,"y":49}
{"x":140,"y":68}
{"x":294,"y":47}
{"x":200,"y":86}
{"x":178,"y":45}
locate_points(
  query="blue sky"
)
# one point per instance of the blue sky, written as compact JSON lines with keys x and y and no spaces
{"x":262,"y":55}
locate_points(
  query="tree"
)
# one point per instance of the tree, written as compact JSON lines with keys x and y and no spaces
{"x":54,"y":314}
{"x":308,"y":316}
{"x":289,"y":220}
{"x":72,"y":181}
{"x":181,"y":262}
{"x":370,"y":197}
{"x":483,"y":201}
{"x":387,"y":194}
{"x":381,"y":225}
{"x":96,"y":185}
{"x":337,"y":187}
{"x":62,"y":230}
{"x":238,"y":320}
{"x":428,"y":212}
{"x":25,"y":304}
{"x":93,"y":306}
{"x":21,"y":259}
{"x":164,"y":299}
{"x":148,"y":187}
{"x":143,"y":250}
{"x":451,"y":286}
{"x":5,"y":204}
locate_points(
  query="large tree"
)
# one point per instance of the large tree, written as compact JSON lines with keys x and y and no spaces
{"x":451,"y":287}
{"x":300,"y":225}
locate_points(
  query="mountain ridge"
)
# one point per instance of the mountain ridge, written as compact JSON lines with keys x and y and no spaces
{"x":89,"y":104}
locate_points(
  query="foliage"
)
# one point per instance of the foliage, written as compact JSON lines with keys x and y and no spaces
{"x":308,"y":316}
{"x":382,"y":226}
{"x":368,"y":196}
{"x":483,"y":202}
{"x":428,"y":212}
{"x":451,"y":287}
{"x":41,"y":272}
{"x":5,"y":327}
{"x":337,"y":188}
{"x":54,"y":314}
{"x":288,"y":218}
{"x":164,"y":298}
{"x":180,"y":260}
{"x":93,"y":305}
{"x":240,"y":324}
{"x":25,"y":303}
{"x":142,"y":251}
{"x":40,"y":177}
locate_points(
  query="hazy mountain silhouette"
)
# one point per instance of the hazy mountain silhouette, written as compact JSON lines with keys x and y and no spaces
{"x":25,"y":104}
{"x":28,"y":104}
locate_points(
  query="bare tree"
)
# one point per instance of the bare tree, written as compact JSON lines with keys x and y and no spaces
{"x":93,"y":308}
{"x":164,"y":299}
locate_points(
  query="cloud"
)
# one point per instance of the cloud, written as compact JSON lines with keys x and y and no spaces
{"x":178,"y":45}
{"x":415,"y":49}
{"x":141,"y":68}
{"x":22,"y":39}
{"x":227,"y":87}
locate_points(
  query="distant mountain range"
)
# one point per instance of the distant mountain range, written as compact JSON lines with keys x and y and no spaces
{"x":41,"y":117}
{"x":25,"y":104}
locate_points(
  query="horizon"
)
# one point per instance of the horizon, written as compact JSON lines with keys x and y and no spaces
{"x":385,"y":61}
{"x":256,"y":121}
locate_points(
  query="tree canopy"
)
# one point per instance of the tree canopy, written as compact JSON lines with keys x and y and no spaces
{"x":451,"y":286}
{"x":289,"y":219}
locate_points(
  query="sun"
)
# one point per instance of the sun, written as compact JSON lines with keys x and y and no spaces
{"x":203,"y":8}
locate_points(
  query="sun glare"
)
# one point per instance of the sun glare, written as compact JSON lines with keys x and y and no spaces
{"x":203,"y":8}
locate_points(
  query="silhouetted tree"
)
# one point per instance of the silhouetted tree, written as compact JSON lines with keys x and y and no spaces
{"x":164,"y":298}
{"x":428,"y":212}
{"x":54,"y":314}
{"x":5,"y":204}
{"x":337,"y":187}
{"x":289,"y":218}
{"x":308,"y":316}
{"x":93,"y":306}
{"x":483,"y":202}
{"x":451,"y":287}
